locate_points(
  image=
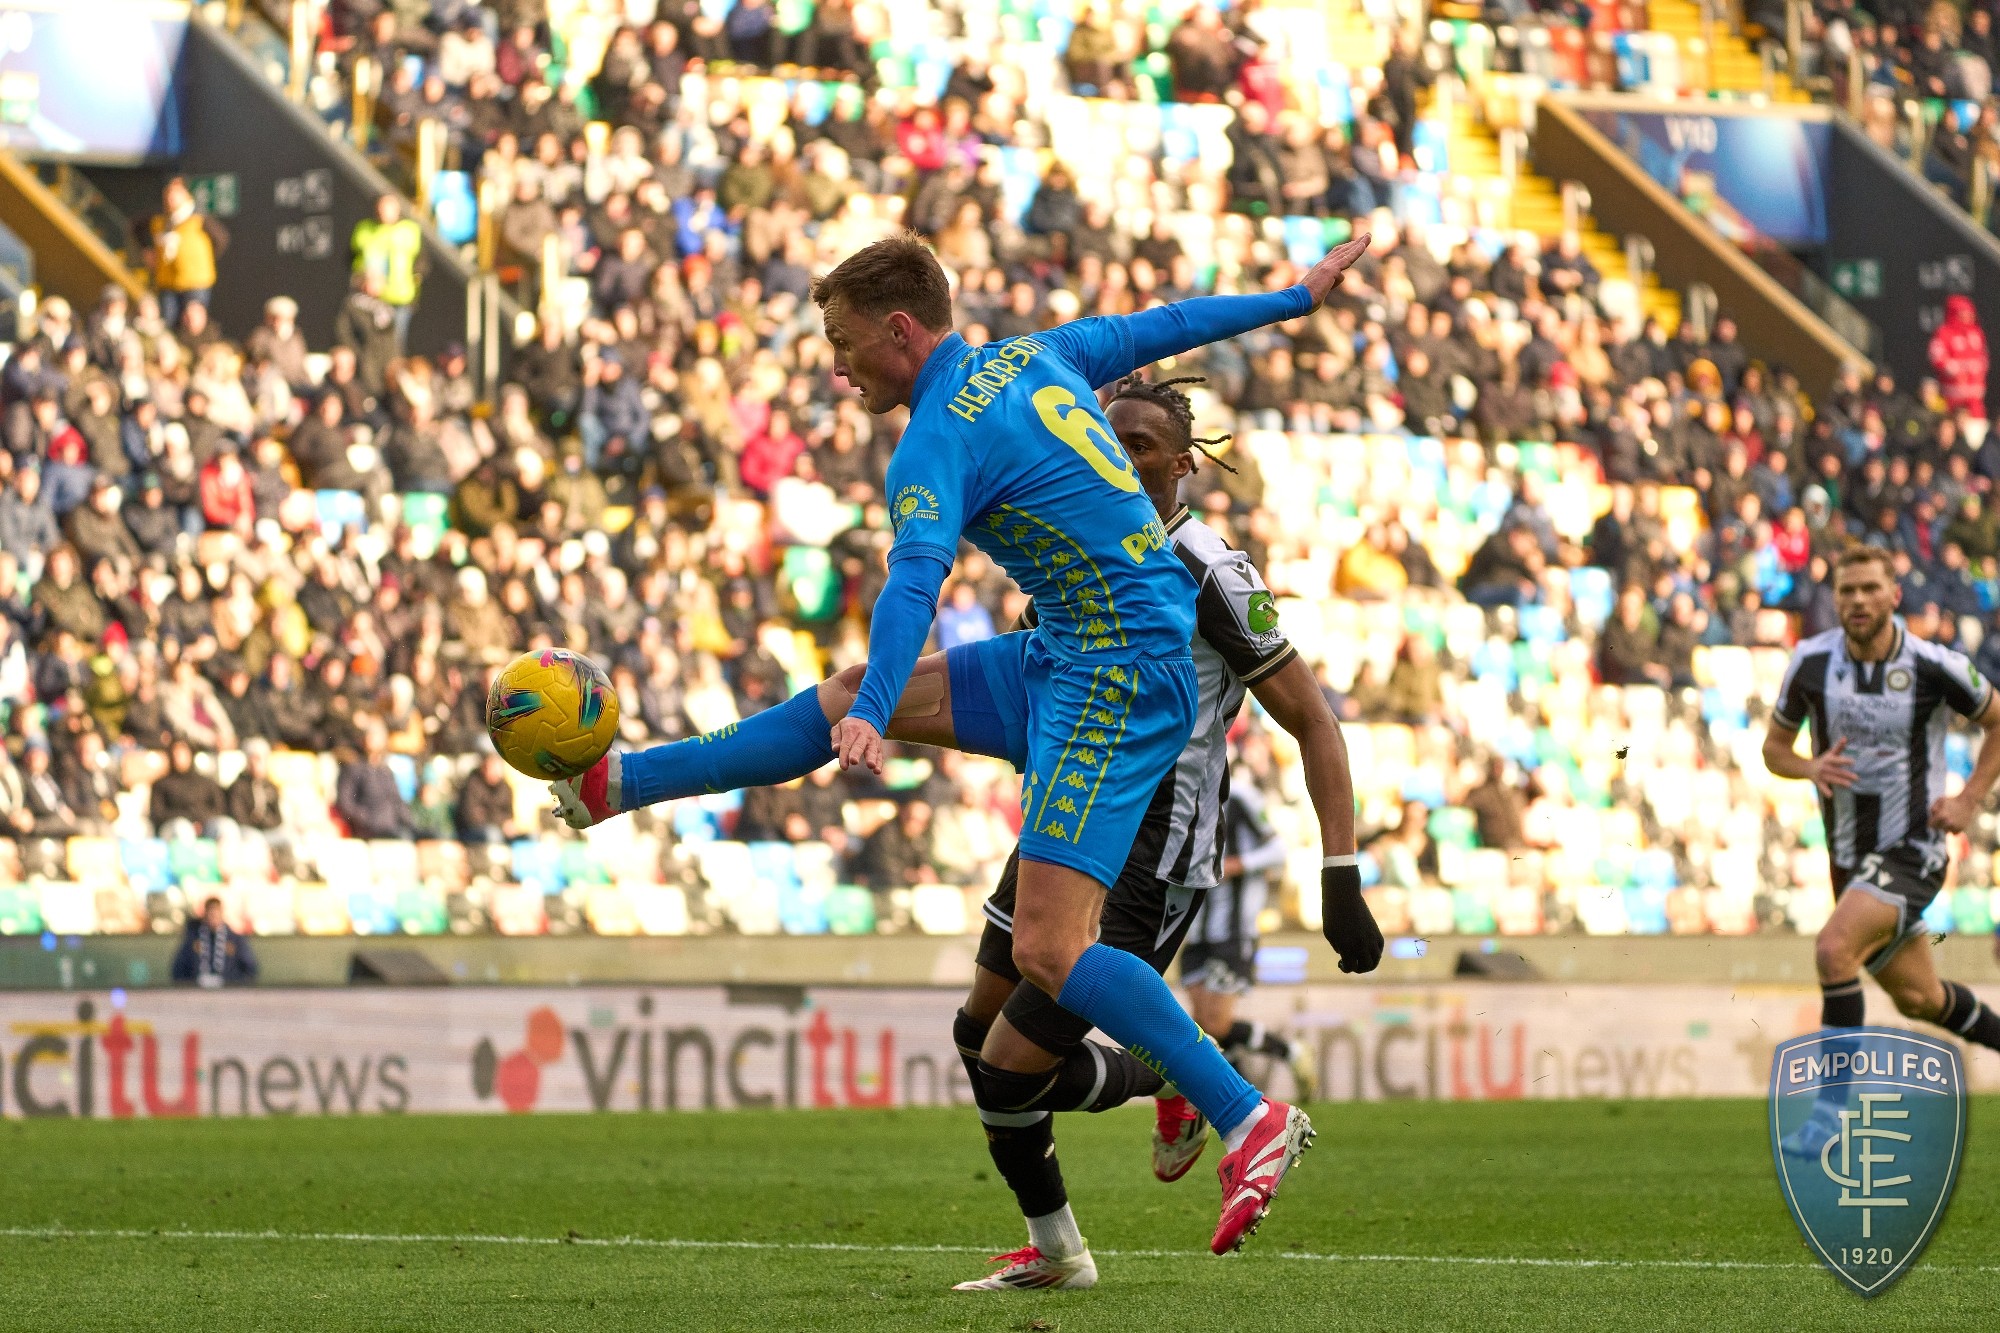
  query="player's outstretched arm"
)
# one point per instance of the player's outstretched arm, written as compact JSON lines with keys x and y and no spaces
{"x":896,"y":632}
{"x":1954,"y":814}
{"x":1293,"y":699}
{"x":1110,"y":347}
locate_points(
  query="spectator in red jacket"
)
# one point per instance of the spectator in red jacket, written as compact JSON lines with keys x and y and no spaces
{"x":1958,"y":355}
{"x":227,"y":499}
{"x":769,"y":454}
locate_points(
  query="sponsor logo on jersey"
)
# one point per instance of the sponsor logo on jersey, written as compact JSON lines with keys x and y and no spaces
{"x":913,"y":502}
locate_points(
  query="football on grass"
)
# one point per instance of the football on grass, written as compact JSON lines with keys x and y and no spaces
{"x":552,"y":714}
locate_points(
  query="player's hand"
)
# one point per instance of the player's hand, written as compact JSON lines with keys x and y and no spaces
{"x":1831,"y":769}
{"x":1346,"y":921}
{"x":857,"y":742}
{"x":1953,"y":814}
{"x":1324,"y":276}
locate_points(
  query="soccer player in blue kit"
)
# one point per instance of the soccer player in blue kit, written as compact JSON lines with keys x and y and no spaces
{"x":1007,"y":447}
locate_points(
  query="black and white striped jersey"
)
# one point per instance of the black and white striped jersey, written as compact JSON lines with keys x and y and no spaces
{"x":1237,"y":643}
{"x":1893,"y":714}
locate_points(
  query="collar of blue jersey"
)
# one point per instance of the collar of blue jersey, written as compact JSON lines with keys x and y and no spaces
{"x":944,"y":354}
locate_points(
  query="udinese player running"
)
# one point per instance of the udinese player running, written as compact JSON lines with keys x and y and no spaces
{"x":1007,"y":447}
{"x":1026,"y":1055}
{"x":1879,"y":701}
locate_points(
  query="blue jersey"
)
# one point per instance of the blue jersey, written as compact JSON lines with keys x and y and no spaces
{"x":1006,"y":445}
{"x":1007,"y":448}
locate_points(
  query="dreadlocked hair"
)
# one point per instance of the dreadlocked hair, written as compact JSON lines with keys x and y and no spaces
{"x":1167,"y":396}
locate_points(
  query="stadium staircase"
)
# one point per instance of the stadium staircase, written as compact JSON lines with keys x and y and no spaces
{"x":1534,"y":204}
{"x":1734,"y":68}
{"x":66,"y":228}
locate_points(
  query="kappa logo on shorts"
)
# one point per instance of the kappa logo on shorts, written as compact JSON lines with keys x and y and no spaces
{"x":1867,"y":1129}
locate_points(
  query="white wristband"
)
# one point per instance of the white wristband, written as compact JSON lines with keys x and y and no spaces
{"x":1332,"y":862}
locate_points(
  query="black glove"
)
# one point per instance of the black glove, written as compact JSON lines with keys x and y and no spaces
{"x":1346,"y":921}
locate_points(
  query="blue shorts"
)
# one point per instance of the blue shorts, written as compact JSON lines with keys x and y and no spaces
{"x":1093,"y":741}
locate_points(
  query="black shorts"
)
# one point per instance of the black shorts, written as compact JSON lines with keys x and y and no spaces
{"x":1143,"y":915}
{"x":1907,"y":879}
{"x":1222,"y":956}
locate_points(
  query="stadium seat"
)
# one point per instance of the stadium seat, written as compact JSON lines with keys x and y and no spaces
{"x":444,"y":863}
{"x":270,"y":909}
{"x":538,"y":864}
{"x":320,"y":910}
{"x":1686,"y":912}
{"x":95,"y":861}
{"x":147,"y":865}
{"x":938,"y":910}
{"x":194,"y":861}
{"x":338,"y":510}
{"x":850,"y":910}
{"x":67,"y":908}
{"x":1518,"y":911}
{"x":659,"y":909}
{"x":610,"y":910}
{"x":581,"y":864}
{"x":20,"y":910}
{"x":519,"y":910}
{"x":1601,"y":911}
{"x":1432,"y":911}
{"x":1940,"y":917}
{"x":1472,"y":911}
{"x":1646,"y":909}
{"x":371,"y":908}
{"x":1730,"y":912}
{"x":1391,"y":909}
{"x":119,"y":910}
{"x":420,"y":909}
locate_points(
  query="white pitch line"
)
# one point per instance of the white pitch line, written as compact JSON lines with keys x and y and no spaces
{"x":848,"y":1247}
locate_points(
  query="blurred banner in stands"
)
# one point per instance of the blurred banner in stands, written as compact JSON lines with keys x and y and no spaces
{"x":92,"y":80}
{"x":317,"y":1052}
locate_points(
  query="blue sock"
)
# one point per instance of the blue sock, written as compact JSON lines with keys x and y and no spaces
{"x":775,"y":746}
{"x":1132,"y":1004}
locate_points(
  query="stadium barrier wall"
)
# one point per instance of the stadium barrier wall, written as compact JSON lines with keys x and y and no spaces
{"x":84,"y":962}
{"x":1686,"y":250}
{"x":1896,"y":248}
{"x":298,"y":192}
{"x":119,"y":1055}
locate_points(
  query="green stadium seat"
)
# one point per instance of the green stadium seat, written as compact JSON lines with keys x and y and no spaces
{"x":850,"y":910}
{"x":420,"y":909}
{"x":194,"y":861}
{"x":20,"y":910}
{"x":1454,"y":825}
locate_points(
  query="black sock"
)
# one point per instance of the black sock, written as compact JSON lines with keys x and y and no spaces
{"x":1099,"y":1077}
{"x":1021,"y":1136}
{"x":1968,"y":1017}
{"x":1842,"y":1005}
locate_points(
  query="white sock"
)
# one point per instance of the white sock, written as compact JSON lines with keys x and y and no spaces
{"x":1055,"y":1234}
{"x":1234,"y":1138}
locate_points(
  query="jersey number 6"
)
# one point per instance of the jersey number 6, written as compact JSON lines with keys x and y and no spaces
{"x":1075,"y":427}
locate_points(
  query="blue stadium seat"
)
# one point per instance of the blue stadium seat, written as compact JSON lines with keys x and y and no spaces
{"x":1654,"y":869}
{"x":372,"y":909}
{"x":802,"y":909}
{"x":404,"y":769}
{"x":1424,"y":785}
{"x":1542,"y":625}
{"x":340,"y":509}
{"x":147,"y":867}
{"x":538,"y":865}
{"x":692,"y":824}
{"x":1646,"y":909}
{"x":1590,"y":589}
{"x":1958,"y":754}
{"x":1938,"y":917}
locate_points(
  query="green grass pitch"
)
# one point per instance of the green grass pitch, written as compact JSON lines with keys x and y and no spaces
{"x":1601,"y":1215}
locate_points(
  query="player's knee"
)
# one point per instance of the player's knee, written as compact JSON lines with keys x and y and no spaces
{"x":1044,"y":958}
{"x":1834,"y":958}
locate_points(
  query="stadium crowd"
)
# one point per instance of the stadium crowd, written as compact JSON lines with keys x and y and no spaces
{"x":1512,"y":521}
